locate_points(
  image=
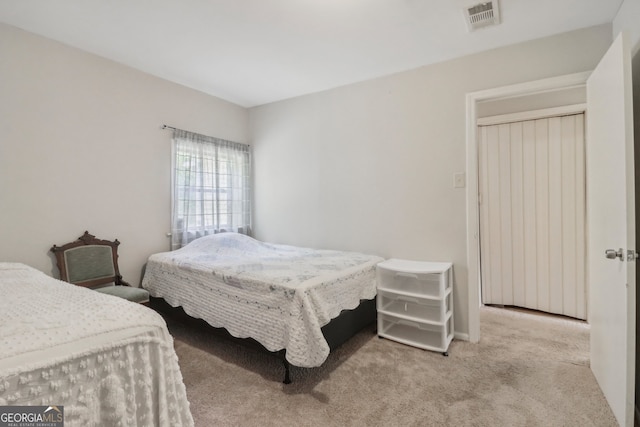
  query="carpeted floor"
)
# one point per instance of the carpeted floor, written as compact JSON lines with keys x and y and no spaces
{"x":527,"y":370}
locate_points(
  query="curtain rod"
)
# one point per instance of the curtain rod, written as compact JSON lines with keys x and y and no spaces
{"x":173,"y":128}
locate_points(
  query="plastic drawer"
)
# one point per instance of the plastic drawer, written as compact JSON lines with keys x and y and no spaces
{"x":421,"y":335}
{"x":427,"y":284}
{"x":414,"y":308}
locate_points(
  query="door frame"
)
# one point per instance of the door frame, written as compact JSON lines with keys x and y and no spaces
{"x":473,"y":210}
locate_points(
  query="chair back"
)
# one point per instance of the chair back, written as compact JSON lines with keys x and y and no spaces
{"x":88,"y":261}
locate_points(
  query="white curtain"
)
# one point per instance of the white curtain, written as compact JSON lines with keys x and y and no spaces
{"x":211,"y":187}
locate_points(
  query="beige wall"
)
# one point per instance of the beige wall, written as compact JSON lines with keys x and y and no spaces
{"x":628,"y":19}
{"x":369,"y":166}
{"x":365,"y":167}
{"x":81,"y":149}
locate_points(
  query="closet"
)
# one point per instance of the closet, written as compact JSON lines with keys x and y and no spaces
{"x":532,"y":213}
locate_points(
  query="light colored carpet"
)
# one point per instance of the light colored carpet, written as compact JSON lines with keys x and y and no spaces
{"x":527,"y":370}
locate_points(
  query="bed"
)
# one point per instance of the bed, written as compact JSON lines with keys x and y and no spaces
{"x":281,"y":296}
{"x":107,"y":361}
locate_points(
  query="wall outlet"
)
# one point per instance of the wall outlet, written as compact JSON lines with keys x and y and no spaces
{"x":459,"y":180}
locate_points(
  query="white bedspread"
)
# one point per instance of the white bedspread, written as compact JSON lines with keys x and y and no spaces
{"x":106,"y":360}
{"x":278,"y":295}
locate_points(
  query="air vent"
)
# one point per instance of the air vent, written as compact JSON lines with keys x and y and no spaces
{"x":482,"y":15}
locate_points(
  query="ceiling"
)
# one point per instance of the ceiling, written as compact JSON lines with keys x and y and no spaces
{"x":253,"y":52}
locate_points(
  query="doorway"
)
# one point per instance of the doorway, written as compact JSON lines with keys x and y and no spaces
{"x":515,"y":99}
{"x":611,"y":222}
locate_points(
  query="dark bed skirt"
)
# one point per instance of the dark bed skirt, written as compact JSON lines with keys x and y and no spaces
{"x":349,"y":323}
{"x":336,"y":332}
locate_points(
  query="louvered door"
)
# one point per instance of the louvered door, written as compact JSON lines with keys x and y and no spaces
{"x":532,"y":214}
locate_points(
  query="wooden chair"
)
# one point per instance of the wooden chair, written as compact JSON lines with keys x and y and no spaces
{"x":93,"y":263}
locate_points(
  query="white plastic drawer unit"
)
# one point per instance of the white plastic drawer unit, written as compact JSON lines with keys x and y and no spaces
{"x":415,"y":303}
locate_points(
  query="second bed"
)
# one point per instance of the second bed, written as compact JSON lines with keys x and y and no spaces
{"x":281,"y":296}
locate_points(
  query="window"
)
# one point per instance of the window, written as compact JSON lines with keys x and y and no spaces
{"x":211,"y":187}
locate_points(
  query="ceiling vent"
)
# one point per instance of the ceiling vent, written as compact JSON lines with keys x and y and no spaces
{"x":482,"y":15}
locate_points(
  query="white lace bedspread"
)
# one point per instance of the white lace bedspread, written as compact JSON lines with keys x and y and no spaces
{"x":279,"y":295}
{"x":109,"y":362}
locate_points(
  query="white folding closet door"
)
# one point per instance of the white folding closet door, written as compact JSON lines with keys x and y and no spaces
{"x":532,"y":214}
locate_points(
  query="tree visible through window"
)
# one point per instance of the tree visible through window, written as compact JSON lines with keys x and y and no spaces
{"x":211,"y":187}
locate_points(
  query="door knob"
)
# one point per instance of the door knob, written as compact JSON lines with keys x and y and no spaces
{"x":613,"y":254}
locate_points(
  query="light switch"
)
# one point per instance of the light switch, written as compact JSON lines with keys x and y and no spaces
{"x":458,"y":180}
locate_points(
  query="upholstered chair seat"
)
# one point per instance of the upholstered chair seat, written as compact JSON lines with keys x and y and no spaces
{"x":129,"y":293}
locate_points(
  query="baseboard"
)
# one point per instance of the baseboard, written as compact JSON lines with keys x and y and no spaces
{"x":460,"y":336}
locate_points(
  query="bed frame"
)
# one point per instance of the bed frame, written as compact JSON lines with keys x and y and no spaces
{"x":336,"y":332}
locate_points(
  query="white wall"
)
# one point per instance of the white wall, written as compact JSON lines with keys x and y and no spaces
{"x":81,"y":149}
{"x":365,"y":167}
{"x":628,"y":19}
{"x":369,"y":166}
